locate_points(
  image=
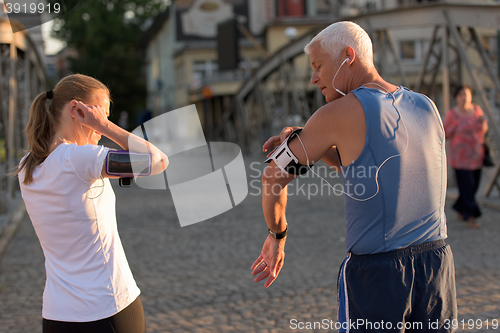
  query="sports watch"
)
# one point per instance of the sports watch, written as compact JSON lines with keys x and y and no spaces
{"x":279,"y":235}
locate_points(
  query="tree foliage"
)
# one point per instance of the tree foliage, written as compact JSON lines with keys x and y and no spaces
{"x":106,"y":34}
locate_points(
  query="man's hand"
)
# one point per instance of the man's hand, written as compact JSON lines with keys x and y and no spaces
{"x":270,"y":261}
{"x":276,"y":140}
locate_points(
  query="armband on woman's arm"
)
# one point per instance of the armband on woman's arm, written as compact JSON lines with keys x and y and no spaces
{"x":131,"y":142}
{"x":128,"y":164}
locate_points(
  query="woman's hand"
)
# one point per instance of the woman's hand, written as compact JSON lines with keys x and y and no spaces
{"x":484,"y":123}
{"x":276,"y":140}
{"x":92,"y":116}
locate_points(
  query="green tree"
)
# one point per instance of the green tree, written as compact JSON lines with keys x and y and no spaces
{"x":106,"y":34}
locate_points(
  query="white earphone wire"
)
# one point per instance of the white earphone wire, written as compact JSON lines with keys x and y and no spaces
{"x":98,"y":186}
{"x":378,"y":169}
{"x":84,"y":133}
{"x":333,"y":85}
{"x":102,"y":180}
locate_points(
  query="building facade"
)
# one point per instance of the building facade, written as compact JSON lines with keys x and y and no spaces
{"x":182,"y":57}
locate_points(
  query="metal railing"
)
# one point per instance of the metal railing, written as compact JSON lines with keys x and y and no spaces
{"x":22,"y":77}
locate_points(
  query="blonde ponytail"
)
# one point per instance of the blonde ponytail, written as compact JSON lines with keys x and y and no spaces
{"x":40,"y":132}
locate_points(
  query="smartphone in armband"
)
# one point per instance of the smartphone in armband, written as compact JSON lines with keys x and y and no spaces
{"x":128,"y":164}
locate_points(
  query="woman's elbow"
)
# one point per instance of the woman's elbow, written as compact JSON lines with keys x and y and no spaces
{"x":163,"y":162}
{"x":159,"y":162}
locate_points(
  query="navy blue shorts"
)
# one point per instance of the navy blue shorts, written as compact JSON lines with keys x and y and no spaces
{"x":407,"y":290}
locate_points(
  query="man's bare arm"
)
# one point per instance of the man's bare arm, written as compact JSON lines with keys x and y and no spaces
{"x":314,"y":141}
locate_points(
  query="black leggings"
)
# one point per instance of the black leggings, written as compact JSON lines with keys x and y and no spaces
{"x":129,"y":320}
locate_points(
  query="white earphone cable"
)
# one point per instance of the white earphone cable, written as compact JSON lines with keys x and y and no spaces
{"x":84,"y":133}
{"x":378,"y":169}
{"x":333,"y":80}
{"x":102,"y":180}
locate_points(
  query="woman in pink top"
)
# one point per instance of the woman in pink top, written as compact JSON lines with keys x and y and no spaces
{"x":465,"y":127}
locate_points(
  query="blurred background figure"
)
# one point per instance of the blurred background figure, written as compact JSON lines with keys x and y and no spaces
{"x":123,"y":120}
{"x":465,"y":127}
{"x":143,"y":116}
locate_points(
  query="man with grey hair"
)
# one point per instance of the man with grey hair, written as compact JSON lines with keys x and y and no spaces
{"x":399,"y":274}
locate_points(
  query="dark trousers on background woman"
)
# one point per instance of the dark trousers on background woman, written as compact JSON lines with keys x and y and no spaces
{"x":468,"y":183}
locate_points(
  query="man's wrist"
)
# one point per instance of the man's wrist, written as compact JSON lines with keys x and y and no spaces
{"x":279,"y":235}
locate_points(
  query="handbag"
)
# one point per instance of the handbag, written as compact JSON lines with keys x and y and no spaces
{"x":488,"y":159}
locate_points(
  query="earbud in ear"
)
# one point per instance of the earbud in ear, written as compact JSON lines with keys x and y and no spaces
{"x":72,"y":111}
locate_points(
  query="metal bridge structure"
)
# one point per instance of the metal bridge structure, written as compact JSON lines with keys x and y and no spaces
{"x":278,"y":94}
{"x":22,"y":77}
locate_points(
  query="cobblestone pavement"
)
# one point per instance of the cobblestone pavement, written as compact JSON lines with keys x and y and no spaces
{"x":197,"y":278}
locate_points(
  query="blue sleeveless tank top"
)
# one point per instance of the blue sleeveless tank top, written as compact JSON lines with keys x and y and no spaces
{"x":409,"y":206}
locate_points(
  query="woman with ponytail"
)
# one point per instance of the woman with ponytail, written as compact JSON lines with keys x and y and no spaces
{"x":70,"y":201}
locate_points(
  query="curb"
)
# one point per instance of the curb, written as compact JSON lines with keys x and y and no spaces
{"x":11,"y":222}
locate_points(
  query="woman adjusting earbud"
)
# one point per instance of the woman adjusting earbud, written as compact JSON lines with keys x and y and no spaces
{"x":71,"y":204}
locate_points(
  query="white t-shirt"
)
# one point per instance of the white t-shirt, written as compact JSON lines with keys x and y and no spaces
{"x":88,"y":276}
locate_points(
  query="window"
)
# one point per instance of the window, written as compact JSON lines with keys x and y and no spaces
{"x":325,"y":7}
{"x":413,"y":50}
{"x":205,"y":68}
{"x":407,"y":50}
{"x":490,"y":46}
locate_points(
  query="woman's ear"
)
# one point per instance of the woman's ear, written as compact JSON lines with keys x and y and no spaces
{"x":73,"y":109}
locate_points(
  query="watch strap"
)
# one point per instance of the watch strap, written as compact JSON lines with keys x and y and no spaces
{"x":278,"y":235}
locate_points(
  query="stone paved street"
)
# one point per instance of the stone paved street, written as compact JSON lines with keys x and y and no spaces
{"x":197,"y":278}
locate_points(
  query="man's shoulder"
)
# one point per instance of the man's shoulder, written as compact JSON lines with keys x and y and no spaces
{"x":341,"y":107}
{"x":421,"y":98}
{"x":340,"y":120}
{"x":341,"y":114}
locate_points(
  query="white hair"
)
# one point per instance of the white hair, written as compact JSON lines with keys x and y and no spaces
{"x":339,"y":35}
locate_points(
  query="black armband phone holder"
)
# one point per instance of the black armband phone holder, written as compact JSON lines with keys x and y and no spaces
{"x":127,"y":165}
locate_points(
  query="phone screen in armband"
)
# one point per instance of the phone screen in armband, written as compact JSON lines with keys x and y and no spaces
{"x":129,"y":164}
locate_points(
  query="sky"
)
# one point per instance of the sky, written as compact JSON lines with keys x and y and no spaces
{"x":52,"y":45}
